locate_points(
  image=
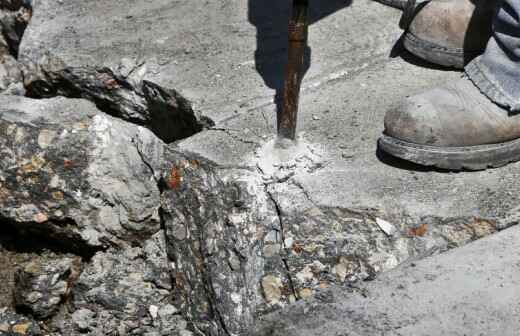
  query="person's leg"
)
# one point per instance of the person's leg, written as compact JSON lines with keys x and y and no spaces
{"x":497,"y":71}
{"x":471,"y":124}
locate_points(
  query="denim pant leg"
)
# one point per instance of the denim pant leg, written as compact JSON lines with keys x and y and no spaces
{"x":497,"y":71}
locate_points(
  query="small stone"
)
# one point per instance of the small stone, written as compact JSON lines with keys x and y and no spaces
{"x":21,"y":328}
{"x":154,"y":310}
{"x":236,"y":298}
{"x":288,"y":242}
{"x":272,"y":287}
{"x":45,"y":138}
{"x":167,"y":311}
{"x":305,"y":275}
{"x":388,"y":228}
{"x":40,"y":218}
{"x":306,"y":293}
{"x":341,"y":271}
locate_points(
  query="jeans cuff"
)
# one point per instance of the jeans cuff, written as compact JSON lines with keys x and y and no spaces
{"x":483,"y":79}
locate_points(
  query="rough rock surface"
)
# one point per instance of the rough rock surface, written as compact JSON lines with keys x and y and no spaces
{"x":41,"y":288}
{"x":12,"y":324}
{"x":10,"y":72}
{"x":240,"y":248}
{"x":14,"y":17}
{"x":208,"y":234}
{"x":123,"y":292}
{"x":74,"y":173}
{"x":216,"y":224}
{"x":121,"y":92}
{"x":472,"y":290}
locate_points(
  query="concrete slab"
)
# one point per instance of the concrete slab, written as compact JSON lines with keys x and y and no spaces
{"x":473,"y":290}
{"x":227,"y":57}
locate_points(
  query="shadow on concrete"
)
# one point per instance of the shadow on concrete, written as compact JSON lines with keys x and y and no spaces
{"x":271,"y":18}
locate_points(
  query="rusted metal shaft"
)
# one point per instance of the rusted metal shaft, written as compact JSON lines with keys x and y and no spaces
{"x":298,"y":32}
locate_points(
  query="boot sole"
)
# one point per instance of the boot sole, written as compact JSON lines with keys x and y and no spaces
{"x":436,"y":54}
{"x":453,"y":158}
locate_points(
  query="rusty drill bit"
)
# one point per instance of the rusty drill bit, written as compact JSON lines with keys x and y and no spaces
{"x":298,"y":32}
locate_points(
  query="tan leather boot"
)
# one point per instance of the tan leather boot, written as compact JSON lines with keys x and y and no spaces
{"x":453,"y":127}
{"x":446,"y":32}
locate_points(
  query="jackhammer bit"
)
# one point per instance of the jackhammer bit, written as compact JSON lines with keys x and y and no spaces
{"x":298,"y":32}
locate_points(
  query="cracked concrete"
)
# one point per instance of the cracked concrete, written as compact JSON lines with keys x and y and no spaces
{"x":468,"y":291}
{"x":272,"y":225}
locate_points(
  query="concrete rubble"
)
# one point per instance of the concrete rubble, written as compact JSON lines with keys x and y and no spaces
{"x":468,"y":291}
{"x":138,"y":150}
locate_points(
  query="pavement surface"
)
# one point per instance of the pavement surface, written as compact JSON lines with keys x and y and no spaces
{"x":228,"y":57}
{"x":473,"y":290}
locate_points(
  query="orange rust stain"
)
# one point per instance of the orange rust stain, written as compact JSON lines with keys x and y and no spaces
{"x":297,"y":248}
{"x":180,"y":281}
{"x":58,"y":195}
{"x":419,"y":231}
{"x":40,"y":218}
{"x":175,"y":179}
{"x":111,"y":84}
{"x":195,"y":163}
{"x":28,"y":168}
{"x":68,"y":164}
{"x":108,"y":81}
{"x":324,"y":285}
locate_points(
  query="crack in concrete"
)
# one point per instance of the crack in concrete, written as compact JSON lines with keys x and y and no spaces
{"x":283,"y":244}
{"x":147,"y":164}
{"x":235,"y":137}
{"x":162,"y":110}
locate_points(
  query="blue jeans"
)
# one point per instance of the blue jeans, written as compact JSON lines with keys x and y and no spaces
{"x":497,"y":71}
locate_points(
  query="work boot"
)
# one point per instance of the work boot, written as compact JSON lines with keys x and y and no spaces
{"x":446,"y":32}
{"x":452,"y":127}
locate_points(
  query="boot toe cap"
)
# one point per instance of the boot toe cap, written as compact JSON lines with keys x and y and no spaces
{"x":415,"y":120}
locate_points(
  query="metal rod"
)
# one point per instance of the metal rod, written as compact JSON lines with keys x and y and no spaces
{"x":298,"y":32}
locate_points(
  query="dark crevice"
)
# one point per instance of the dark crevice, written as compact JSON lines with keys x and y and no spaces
{"x":37,"y":238}
{"x":164,"y":111}
{"x":156,"y":178}
{"x":235,"y":137}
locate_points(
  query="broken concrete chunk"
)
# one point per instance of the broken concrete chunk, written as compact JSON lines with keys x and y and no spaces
{"x":40,"y":288}
{"x":74,"y":174}
{"x":164,"y":111}
{"x":215,"y":224}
